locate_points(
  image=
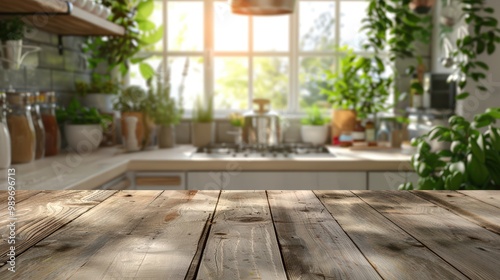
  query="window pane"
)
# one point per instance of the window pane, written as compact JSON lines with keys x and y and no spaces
{"x":351,"y":15}
{"x":186,"y":78}
{"x":231,"y":31}
{"x":271,"y":33}
{"x":231,"y":83}
{"x":317,"y":26}
{"x":157,"y":18}
{"x":136,"y":78}
{"x":310,"y":77}
{"x":185,"y":26}
{"x":271,"y":76}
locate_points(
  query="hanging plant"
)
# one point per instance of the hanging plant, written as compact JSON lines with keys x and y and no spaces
{"x":140,"y":33}
{"x":473,"y":159}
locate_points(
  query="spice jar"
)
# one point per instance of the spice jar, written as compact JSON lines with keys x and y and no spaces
{"x":21,"y":129}
{"x":5,"y":152}
{"x":358,"y":134}
{"x":47,"y":102}
{"x":370,"y":133}
{"x":38,"y":125}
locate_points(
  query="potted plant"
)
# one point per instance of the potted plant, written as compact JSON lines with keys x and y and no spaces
{"x":130,"y":104}
{"x":355,"y":91}
{"x":203,"y":123}
{"x":165,"y":112}
{"x":314,"y":127}
{"x":83,"y":126}
{"x":11,"y":37}
{"x":237,"y":121}
{"x":100,"y":93}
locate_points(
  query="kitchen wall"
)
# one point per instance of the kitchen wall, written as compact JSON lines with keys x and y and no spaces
{"x":47,"y":69}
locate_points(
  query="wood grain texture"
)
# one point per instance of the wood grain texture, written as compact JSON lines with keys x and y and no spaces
{"x":43,"y":214}
{"x":163,"y":243}
{"x":394,"y":253}
{"x":61,"y":254}
{"x":476,"y":211}
{"x":312,"y":243}
{"x":242,"y":243}
{"x":489,"y":197}
{"x":19,"y":196}
{"x":468,"y":247}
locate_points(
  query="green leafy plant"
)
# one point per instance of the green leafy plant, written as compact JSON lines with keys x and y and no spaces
{"x":314,"y":117}
{"x":472,"y":161}
{"x":11,"y":29}
{"x":160,"y":106}
{"x":236,"y":120}
{"x":358,"y":86}
{"x":75,"y":113}
{"x":140,"y":34}
{"x":203,"y":112}
{"x":131,"y":99}
{"x":99,"y":84}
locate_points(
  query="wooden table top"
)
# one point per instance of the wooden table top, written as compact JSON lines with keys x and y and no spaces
{"x":253,"y":235}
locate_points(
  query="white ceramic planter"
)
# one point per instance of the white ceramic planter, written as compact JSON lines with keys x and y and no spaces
{"x":202,"y":134}
{"x":314,"y":134}
{"x":167,"y":136}
{"x":83,"y":138}
{"x":101,"y":101}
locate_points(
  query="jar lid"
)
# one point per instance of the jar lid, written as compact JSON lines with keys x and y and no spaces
{"x":47,"y":97}
{"x":18,"y":98}
{"x":33,"y":98}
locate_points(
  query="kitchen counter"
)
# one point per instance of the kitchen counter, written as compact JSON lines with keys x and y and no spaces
{"x":253,"y":235}
{"x":88,"y":171}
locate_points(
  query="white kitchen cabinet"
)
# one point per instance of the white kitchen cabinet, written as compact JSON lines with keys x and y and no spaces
{"x":342,"y":181}
{"x":204,"y":180}
{"x":389,"y":180}
{"x":412,"y":177}
{"x":269,"y":180}
{"x":157,"y":180}
{"x":119,"y":183}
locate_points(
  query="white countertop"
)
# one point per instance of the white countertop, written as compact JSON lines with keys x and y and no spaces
{"x":85,"y":171}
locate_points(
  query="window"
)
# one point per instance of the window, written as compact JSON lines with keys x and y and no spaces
{"x":238,"y":58}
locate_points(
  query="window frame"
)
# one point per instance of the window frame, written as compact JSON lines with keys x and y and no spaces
{"x":293,"y":54}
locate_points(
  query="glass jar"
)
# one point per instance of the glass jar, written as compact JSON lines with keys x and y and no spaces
{"x":358,"y":134}
{"x":383,"y":134}
{"x":47,"y":102}
{"x":370,"y":133}
{"x":38,"y":124}
{"x":5,"y":152}
{"x":21,"y":129}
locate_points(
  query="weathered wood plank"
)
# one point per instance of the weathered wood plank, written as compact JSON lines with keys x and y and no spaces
{"x":490,"y":197}
{"x":476,"y":211}
{"x":161,"y":246}
{"x":312,"y":243}
{"x":394,"y":253}
{"x":19,"y":196}
{"x":43,"y":214}
{"x":61,"y":254}
{"x":242,"y":243}
{"x":470,"y":248}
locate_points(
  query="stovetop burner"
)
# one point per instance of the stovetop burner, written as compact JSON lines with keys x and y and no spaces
{"x":251,"y":151}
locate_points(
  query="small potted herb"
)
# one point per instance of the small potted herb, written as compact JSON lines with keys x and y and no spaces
{"x":237,"y":121}
{"x":11,"y":37}
{"x":130,"y":103}
{"x":314,"y":127}
{"x":100,"y":93}
{"x":83,"y":126}
{"x":203,"y":126}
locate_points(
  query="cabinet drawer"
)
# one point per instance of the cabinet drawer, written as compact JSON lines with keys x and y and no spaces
{"x":120,"y":183}
{"x":342,"y":181}
{"x":269,"y":181}
{"x":386,"y":180}
{"x":159,"y":180}
{"x":204,"y":181}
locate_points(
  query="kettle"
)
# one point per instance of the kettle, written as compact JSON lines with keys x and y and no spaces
{"x":262,"y":126}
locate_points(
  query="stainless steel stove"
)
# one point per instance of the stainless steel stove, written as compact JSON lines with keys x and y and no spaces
{"x":287,"y":150}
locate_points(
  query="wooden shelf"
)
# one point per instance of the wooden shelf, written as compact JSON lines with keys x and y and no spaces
{"x":60,"y":17}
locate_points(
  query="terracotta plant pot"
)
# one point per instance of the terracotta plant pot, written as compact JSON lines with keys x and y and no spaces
{"x":139,"y":131}
{"x":166,"y":136}
{"x":342,"y":120}
{"x":202,"y":134}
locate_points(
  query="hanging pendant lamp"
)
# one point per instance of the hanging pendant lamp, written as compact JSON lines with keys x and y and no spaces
{"x":421,"y":6}
{"x":262,"y":7}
